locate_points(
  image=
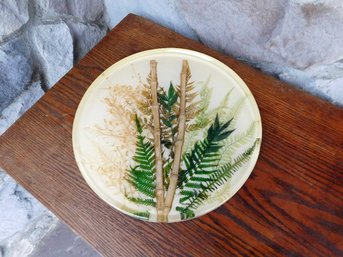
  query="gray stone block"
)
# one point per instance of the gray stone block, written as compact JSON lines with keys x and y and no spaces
{"x":25,"y":220}
{"x":163,"y":12}
{"x":309,"y":33}
{"x":86,"y":36}
{"x":239,"y":28}
{"x":53,"y":7}
{"x":61,"y":241}
{"x":89,"y":10}
{"x":54,"y":44}
{"x":293,"y":32}
{"x":13,"y":15}
{"x":296,"y":40}
{"x":15,"y":70}
{"x":20,"y":105}
{"x":86,"y":9}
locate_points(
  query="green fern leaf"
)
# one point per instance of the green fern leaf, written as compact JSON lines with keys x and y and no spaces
{"x":185,"y":213}
{"x":142,"y":201}
{"x":205,"y":154}
{"x":141,"y":186}
{"x":192,"y":199}
{"x":142,"y":214}
{"x":205,"y":116}
{"x":166,"y":170}
{"x":168,"y":101}
{"x":142,"y":176}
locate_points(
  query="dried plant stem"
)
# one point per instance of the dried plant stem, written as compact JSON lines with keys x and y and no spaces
{"x":157,"y":141}
{"x":178,"y":142}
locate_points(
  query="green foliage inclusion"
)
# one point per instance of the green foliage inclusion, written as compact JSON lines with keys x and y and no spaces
{"x":204,"y":156}
{"x":169,"y":107}
{"x":142,"y":214}
{"x":169,"y":103}
{"x":204,"y":170}
{"x":141,"y":201}
{"x":142,"y":176}
{"x":203,"y":175}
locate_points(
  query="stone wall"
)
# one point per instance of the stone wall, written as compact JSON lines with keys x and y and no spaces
{"x":40,"y":40}
{"x":298,"y":41}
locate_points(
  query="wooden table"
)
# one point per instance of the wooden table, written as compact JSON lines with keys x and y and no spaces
{"x":290,"y":206}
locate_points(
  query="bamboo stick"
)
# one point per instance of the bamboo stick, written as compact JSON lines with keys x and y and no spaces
{"x":178,"y":142}
{"x":157,"y":141}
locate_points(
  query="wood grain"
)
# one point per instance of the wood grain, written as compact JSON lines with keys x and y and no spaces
{"x":290,"y":206}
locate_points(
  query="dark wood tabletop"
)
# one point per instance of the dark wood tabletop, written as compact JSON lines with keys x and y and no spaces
{"x":290,"y":206}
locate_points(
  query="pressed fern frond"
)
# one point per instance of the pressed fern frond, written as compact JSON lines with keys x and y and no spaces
{"x":205,"y":155}
{"x":142,"y":176}
{"x":234,"y":111}
{"x":193,"y":197}
{"x":145,"y":215}
{"x":144,"y":104}
{"x":125,"y":96}
{"x":235,"y":142}
{"x":168,"y":110}
{"x":142,"y":201}
{"x":142,"y":183}
{"x":185,"y":213}
{"x":223,"y":110}
{"x":142,"y":214}
{"x":192,"y":106}
{"x":166,"y":169}
{"x":202,"y":119}
{"x":205,"y":116}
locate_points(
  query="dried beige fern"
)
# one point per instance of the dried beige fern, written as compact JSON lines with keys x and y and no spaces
{"x":144,"y":104}
{"x":192,"y":103}
{"x":119,"y":129}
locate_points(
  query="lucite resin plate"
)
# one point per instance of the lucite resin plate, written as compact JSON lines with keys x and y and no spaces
{"x":167,"y":135}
